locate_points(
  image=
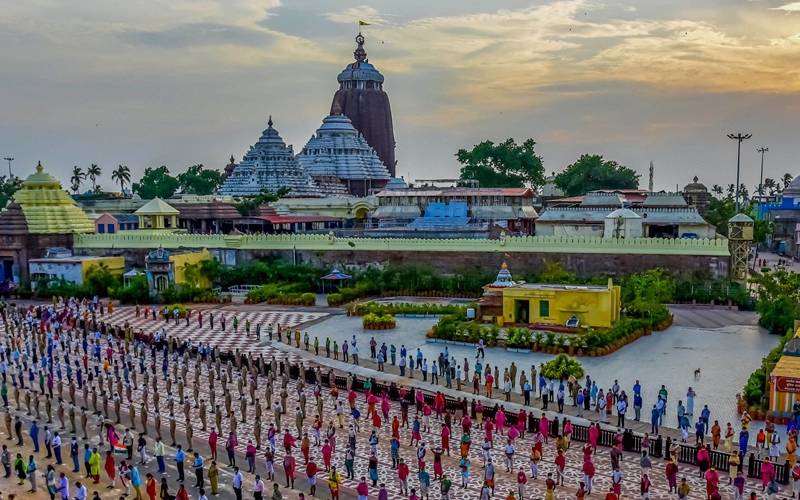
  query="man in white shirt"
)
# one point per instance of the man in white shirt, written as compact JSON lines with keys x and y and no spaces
{"x":237,"y":483}
{"x":81,"y":493}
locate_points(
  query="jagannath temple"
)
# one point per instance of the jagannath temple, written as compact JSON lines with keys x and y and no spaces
{"x":338,"y":155}
{"x":362,"y":99}
{"x":352,"y":153}
{"x":269,"y":165}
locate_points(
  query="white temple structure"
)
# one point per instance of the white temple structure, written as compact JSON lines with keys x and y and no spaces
{"x":339,"y":155}
{"x":269,"y":165}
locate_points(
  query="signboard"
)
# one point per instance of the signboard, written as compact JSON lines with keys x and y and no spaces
{"x":787,"y":384}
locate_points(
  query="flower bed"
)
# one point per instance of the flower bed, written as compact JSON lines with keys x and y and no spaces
{"x":592,"y":343}
{"x":372,"y":321}
{"x":362,"y":308}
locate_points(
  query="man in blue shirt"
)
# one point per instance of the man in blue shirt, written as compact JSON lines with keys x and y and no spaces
{"x":198,"y":470}
{"x":180,"y":458}
{"x":35,"y":436}
{"x":637,"y":406}
{"x":655,"y":416}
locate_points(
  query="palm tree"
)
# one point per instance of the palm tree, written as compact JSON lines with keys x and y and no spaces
{"x":77,"y":178}
{"x":122,"y":174}
{"x":769,"y":185}
{"x":716,"y":189}
{"x":93,"y":173}
{"x":787,"y":179}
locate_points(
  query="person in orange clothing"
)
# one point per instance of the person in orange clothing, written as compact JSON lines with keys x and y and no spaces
{"x":110,"y":466}
{"x":182,"y":494}
{"x":150,"y":487}
{"x":611,"y":495}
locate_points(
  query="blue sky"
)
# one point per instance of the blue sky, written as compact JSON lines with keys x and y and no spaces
{"x":147,"y":83}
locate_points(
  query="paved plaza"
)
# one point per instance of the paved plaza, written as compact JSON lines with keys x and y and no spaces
{"x":245,"y":394}
{"x":726,"y":356}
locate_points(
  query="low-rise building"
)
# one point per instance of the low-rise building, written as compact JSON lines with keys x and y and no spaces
{"x":507,"y":302}
{"x":165,"y":268}
{"x":112,"y":223}
{"x":61,"y":264}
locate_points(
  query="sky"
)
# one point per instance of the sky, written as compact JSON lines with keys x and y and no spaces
{"x":145,"y":83}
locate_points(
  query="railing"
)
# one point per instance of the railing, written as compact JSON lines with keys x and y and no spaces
{"x":547,"y":244}
{"x":241,"y":290}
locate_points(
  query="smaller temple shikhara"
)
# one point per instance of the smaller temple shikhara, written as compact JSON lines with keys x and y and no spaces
{"x":509,"y":302}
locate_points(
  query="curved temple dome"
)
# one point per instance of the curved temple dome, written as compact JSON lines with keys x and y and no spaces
{"x":338,"y":150}
{"x":269,"y":164}
{"x":362,"y":99}
{"x":47,"y":208}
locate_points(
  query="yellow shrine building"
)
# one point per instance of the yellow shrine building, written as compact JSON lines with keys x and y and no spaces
{"x":508,"y":302}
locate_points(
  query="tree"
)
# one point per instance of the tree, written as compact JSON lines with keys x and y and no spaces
{"x":561,"y":367}
{"x":8,"y":186}
{"x":122,"y":175}
{"x":156,"y":182}
{"x":591,"y":172}
{"x":778,"y":303}
{"x":93,"y":172}
{"x":770,"y":185}
{"x":249,"y":206}
{"x":507,"y":164}
{"x":197,"y":180}
{"x":717,"y":189}
{"x":787,"y":179}
{"x":78,"y":176}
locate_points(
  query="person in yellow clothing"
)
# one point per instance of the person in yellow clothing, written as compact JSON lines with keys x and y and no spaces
{"x":94,"y":466}
{"x":213,"y":477}
{"x":791,"y":449}
{"x":334,"y":480}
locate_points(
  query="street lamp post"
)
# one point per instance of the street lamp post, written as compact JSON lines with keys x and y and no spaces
{"x":761,"y":150}
{"x":9,"y":159}
{"x":739,"y":137}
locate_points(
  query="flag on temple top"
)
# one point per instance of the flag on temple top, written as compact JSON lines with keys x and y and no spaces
{"x":362,"y":23}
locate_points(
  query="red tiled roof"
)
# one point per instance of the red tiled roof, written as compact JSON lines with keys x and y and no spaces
{"x":291,"y":219}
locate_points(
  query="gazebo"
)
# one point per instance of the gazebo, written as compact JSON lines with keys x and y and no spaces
{"x":157,"y":214}
{"x":130,"y":275}
{"x":335,"y":275}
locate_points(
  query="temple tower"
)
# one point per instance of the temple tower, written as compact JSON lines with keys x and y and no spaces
{"x":362,"y":99}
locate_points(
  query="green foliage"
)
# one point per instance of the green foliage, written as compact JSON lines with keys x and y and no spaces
{"x":719,"y":212}
{"x":372,"y":321}
{"x":362,"y":308}
{"x":78,"y":176}
{"x":250,"y":206}
{"x":93,"y":172}
{"x":99,"y":281}
{"x":591,"y":172}
{"x":199,"y":180}
{"x":778,"y":299}
{"x":625,"y":327}
{"x":156,"y":182}
{"x":121,"y":175}
{"x":8,"y":186}
{"x":561,"y":367}
{"x":258,"y":272}
{"x":187,"y":293}
{"x":137,"y":292}
{"x":754,"y":388}
{"x":278,"y":290}
{"x":506,"y":164}
{"x":705,"y":290}
{"x":519,"y":337}
{"x":645,"y":292}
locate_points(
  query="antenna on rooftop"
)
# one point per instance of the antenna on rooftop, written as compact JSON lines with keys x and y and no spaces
{"x":652,"y":171}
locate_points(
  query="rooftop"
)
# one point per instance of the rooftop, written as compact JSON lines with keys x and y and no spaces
{"x":157,"y":206}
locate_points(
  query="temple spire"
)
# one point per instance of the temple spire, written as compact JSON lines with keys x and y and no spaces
{"x":360,"y":54}
{"x":269,"y":123}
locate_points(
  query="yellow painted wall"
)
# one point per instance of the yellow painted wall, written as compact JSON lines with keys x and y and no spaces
{"x":598,"y":308}
{"x":179,"y":260}
{"x":115,"y":265}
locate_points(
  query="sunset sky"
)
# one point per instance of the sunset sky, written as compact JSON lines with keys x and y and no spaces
{"x":146,"y":83}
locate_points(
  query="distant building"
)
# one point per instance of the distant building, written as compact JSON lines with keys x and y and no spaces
{"x":509,"y":208}
{"x":40,"y":215}
{"x":165,"y":268}
{"x":109,"y":224}
{"x":661,"y":215}
{"x":60,"y":264}
{"x":697,"y":195}
{"x":362,"y":99}
{"x":269,"y":165}
{"x":341,"y":161}
{"x":785,"y":217}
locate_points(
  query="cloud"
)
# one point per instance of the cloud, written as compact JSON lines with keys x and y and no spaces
{"x":352,"y":15}
{"x":200,"y":34}
{"x":789,"y":7}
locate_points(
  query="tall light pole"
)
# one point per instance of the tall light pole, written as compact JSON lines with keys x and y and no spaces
{"x":761,"y":150}
{"x":9,"y":159}
{"x":739,"y":137}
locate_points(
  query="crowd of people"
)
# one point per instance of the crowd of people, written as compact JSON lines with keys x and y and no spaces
{"x":96,"y":396}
